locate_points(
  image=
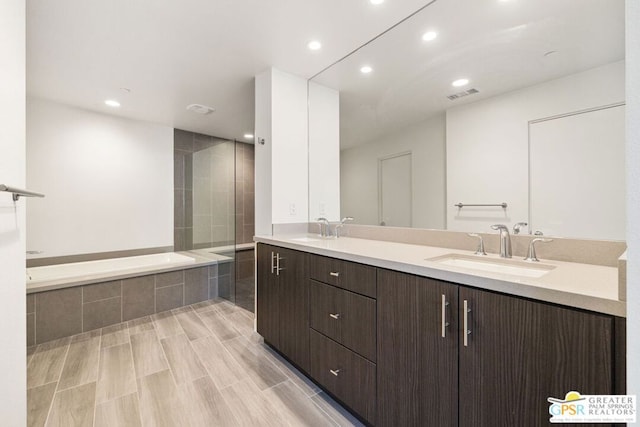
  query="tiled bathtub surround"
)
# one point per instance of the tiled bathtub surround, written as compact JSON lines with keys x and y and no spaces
{"x":64,"y":312}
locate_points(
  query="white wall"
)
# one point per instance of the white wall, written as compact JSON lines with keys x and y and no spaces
{"x":108,"y":181}
{"x":487,"y":143}
{"x":263,"y":166}
{"x":633,"y":194}
{"x":359,"y":172}
{"x":282,"y":162}
{"x":13,"y":333}
{"x":324,"y":152}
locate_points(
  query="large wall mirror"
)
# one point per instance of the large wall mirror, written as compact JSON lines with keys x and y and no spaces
{"x":476,"y":112}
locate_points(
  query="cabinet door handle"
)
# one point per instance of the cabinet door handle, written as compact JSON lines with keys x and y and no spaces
{"x":278,"y":269}
{"x":334,"y":316}
{"x":465,"y":327}
{"x":444,"y":316}
{"x":273,"y":264}
{"x":334,"y":273}
{"x":334,"y":371}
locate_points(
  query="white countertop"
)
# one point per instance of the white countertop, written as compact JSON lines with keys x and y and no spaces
{"x":585,"y":286}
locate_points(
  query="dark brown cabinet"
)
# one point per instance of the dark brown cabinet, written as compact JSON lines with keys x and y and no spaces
{"x":521,"y":352}
{"x":404,"y":350}
{"x":345,"y":317}
{"x":452,"y":355}
{"x":283,"y":302}
{"x":417,"y":351}
{"x":347,"y":275}
{"x":343,"y":331}
{"x":345,"y":374}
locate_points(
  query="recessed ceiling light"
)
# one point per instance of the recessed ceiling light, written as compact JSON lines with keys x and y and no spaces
{"x":248,"y":136}
{"x":376,"y":1}
{"x":314,"y":45}
{"x":429,"y":35}
{"x":365,"y":69}
{"x":460,"y":82}
{"x":200,"y":109}
{"x":112,"y":103}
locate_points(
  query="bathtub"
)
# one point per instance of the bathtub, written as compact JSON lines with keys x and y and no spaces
{"x":87,"y":272}
{"x":68,"y":299}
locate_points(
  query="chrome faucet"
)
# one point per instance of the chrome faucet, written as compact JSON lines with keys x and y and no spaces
{"x":325,"y":227}
{"x":505,"y":240}
{"x":339,"y":226}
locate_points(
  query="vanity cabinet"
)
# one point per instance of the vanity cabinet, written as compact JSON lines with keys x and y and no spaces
{"x":283,"y":301}
{"x":405,"y":350}
{"x":343,"y":331}
{"x":453,"y":355}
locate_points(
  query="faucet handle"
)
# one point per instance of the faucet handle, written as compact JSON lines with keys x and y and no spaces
{"x":518,"y":226}
{"x":339,"y":226}
{"x":500,"y":227}
{"x":531,"y":254}
{"x":480,"y":249}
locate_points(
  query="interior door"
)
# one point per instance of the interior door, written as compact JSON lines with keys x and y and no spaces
{"x":394,"y":195}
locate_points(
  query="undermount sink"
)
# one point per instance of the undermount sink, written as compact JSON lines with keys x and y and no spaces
{"x":502,"y":266}
{"x":305,"y":239}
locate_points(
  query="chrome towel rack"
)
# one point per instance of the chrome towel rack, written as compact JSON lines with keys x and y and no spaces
{"x":502,"y":205}
{"x":17,"y":192}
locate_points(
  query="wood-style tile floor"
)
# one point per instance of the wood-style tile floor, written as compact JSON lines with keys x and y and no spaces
{"x":200,"y":365}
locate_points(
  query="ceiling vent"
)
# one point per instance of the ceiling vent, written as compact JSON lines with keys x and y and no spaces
{"x":462,"y":94}
{"x":200,"y":109}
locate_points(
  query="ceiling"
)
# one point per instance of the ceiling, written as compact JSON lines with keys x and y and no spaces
{"x":499,"y":45}
{"x":170,"y":53}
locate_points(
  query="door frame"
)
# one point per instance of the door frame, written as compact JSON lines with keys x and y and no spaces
{"x":393,"y":156}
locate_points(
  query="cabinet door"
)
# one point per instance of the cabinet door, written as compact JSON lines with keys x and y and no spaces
{"x":293,"y":306}
{"x":268,"y":312}
{"x":416,"y":367}
{"x":521,"y":352}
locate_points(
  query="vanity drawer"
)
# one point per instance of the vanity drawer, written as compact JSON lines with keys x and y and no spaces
{"x":345,"y":317}
{"x":344,"y":274}
{"x":348,"y":376}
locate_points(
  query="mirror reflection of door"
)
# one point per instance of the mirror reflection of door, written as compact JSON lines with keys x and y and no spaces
{"x":394,"y":190}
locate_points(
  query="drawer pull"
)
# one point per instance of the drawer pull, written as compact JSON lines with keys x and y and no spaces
{"x":334,"y":316}
{"x":334,"y":371}
{"x":335,"y":273}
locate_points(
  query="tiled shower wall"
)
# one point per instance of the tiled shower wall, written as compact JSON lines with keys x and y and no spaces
{"x":245,"y":195}
{"x":211,"y":208}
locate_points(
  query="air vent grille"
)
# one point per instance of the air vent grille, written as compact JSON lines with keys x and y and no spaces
{"x":200,"y":109}
{"x":462,"y":94}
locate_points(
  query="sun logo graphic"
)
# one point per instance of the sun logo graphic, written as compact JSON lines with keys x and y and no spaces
{"x":578,"y":408}
{"x":572,"y":405}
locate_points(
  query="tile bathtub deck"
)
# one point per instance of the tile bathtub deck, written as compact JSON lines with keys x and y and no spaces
{"x":200,"y":365}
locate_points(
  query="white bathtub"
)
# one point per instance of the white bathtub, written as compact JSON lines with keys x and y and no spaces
{"x":79,"y":273}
